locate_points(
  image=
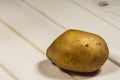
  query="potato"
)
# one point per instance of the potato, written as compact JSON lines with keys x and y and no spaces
{"x":78,"y":51}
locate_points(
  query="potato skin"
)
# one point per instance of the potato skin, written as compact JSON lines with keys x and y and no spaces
{"x":78,"y":51}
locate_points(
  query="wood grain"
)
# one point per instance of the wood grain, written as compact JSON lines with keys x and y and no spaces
{"x":28,"y":27}
{"x":109,"y":13}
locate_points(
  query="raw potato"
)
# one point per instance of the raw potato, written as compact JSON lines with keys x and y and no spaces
{"x":78,"y":51}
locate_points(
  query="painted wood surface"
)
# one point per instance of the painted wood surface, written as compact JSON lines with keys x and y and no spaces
{"x":28,"y":27}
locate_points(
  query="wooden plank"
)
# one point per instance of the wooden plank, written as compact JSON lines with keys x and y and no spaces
{"x":71,"y":15}
{"x":25,"y":26}
{"x":23,"y":61}
{"x":4,"y":75}
{"x":33,"y":26}
{"x":109,"y":13}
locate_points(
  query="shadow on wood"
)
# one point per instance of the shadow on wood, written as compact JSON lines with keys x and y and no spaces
{"x":50,"y":70}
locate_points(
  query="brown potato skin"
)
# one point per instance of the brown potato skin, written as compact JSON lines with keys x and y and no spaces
{"x":78,"y":51}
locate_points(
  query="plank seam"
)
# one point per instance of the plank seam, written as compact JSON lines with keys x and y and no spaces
{"x":42,"y":13}
{"x":8,"y":72}
{"x":25,"y":39}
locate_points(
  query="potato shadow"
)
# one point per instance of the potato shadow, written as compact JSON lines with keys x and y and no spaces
{"x":50,"y":70}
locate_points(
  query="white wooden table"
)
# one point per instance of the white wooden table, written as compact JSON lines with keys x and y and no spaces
{"x":28,"y":27}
